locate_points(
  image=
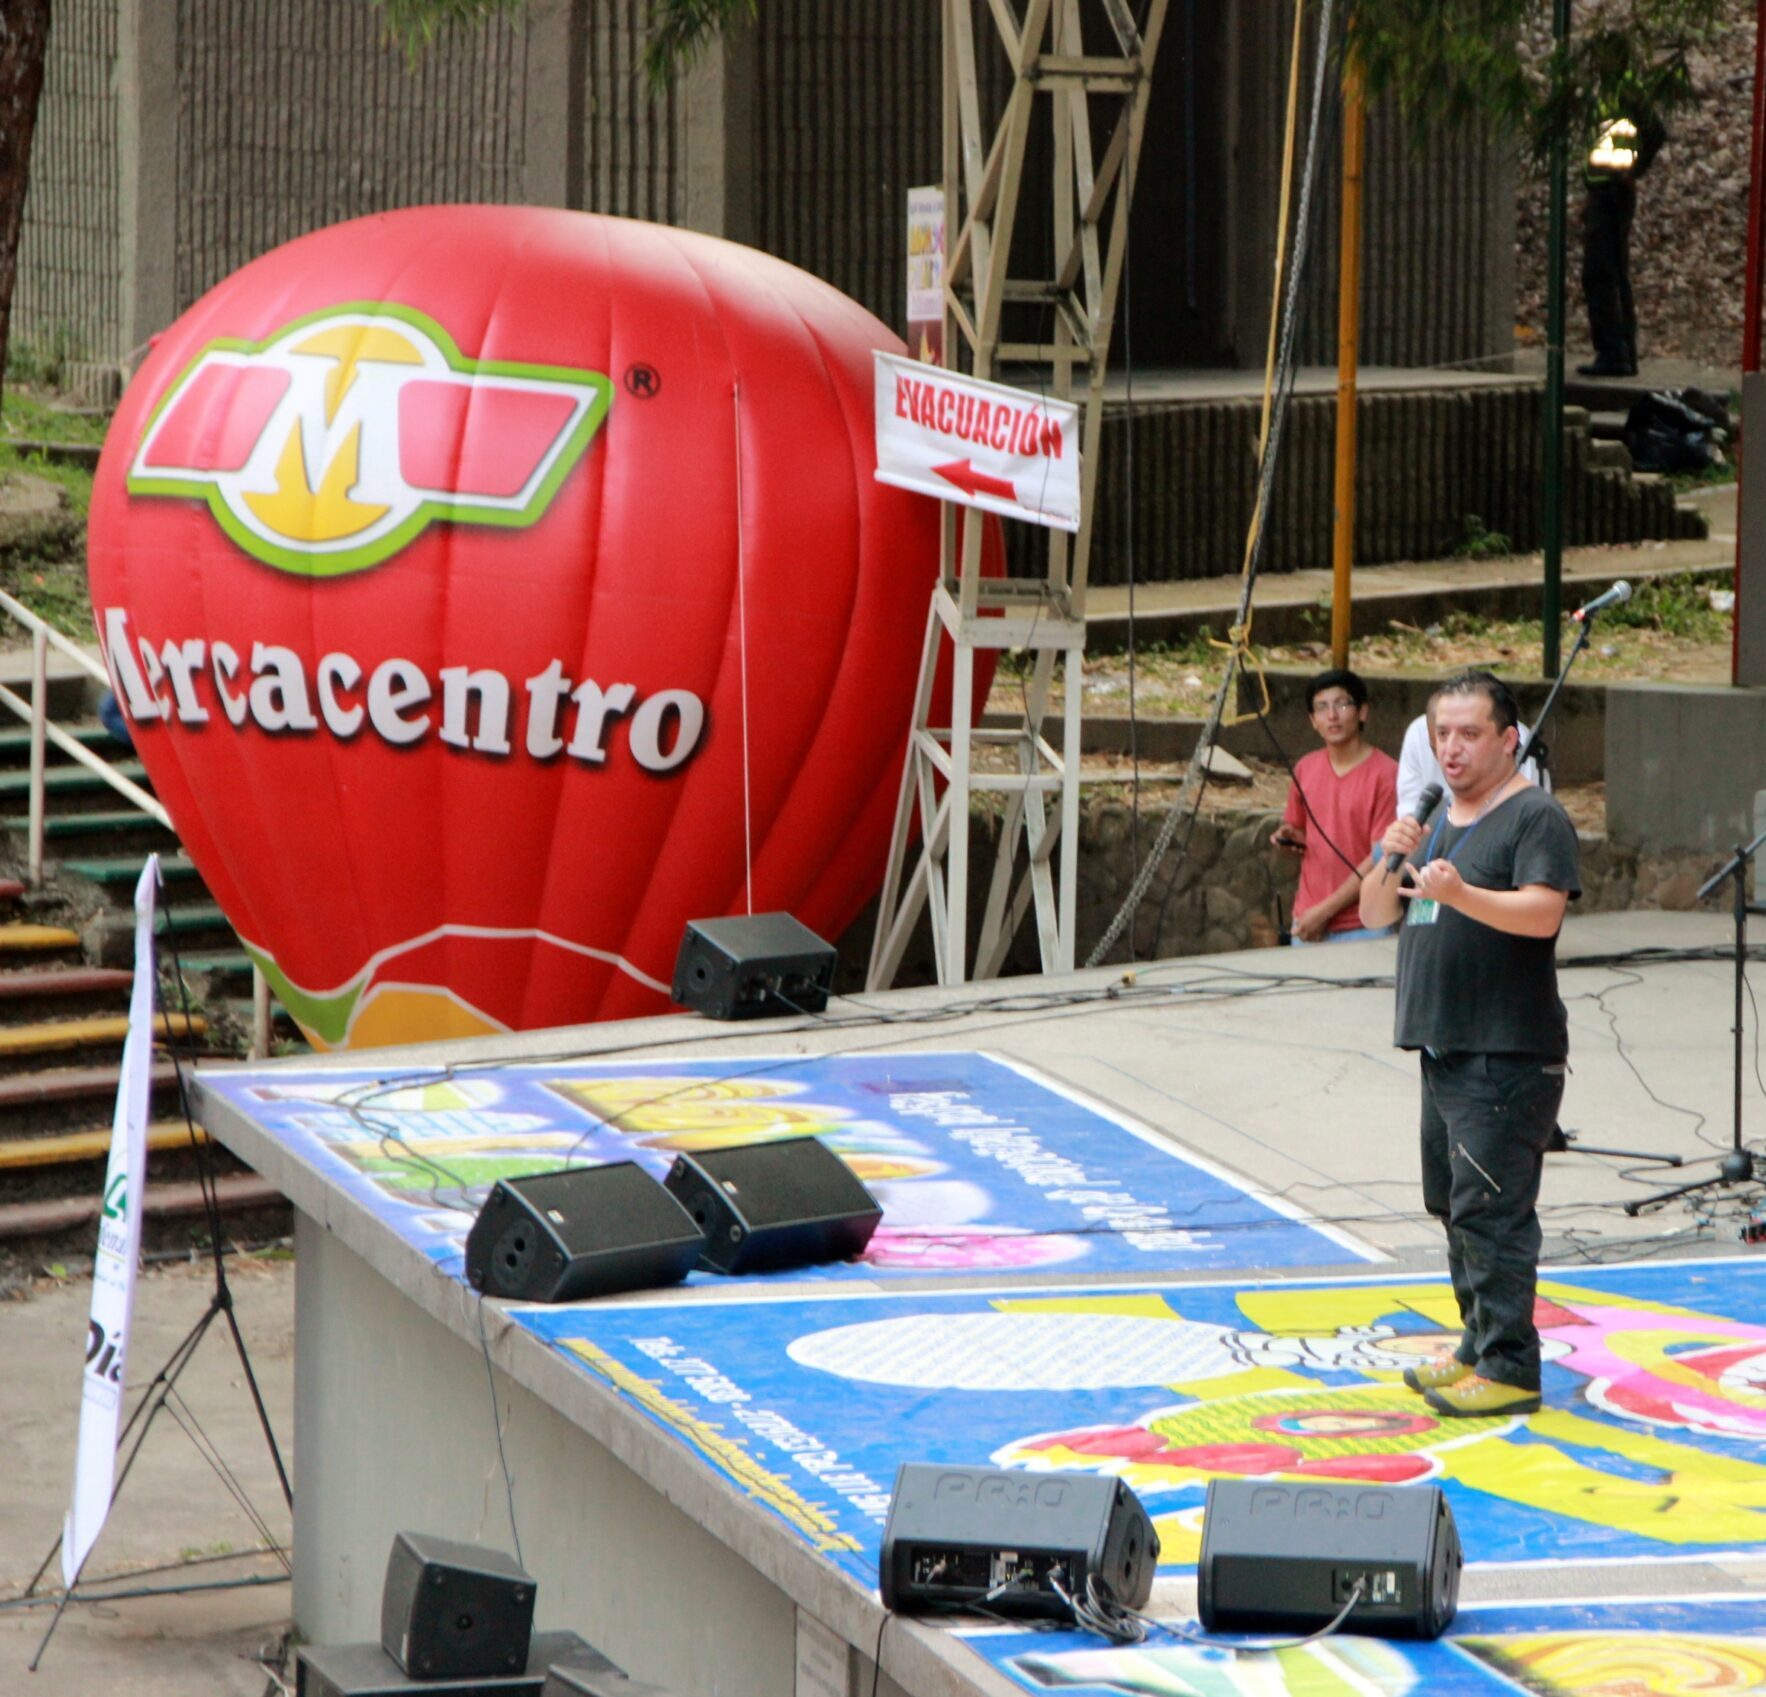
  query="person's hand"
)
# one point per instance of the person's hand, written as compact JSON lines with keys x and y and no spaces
{"x":1285,"y":837}
{"x":1313,"y":925}
{"x":1403,"y":837}
{"x":1439,"y":881}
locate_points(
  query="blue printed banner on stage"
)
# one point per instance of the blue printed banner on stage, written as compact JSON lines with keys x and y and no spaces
{"x":1641,"y":1647}
{"x":979,"y":1164}
{"x":1651,"y":1443}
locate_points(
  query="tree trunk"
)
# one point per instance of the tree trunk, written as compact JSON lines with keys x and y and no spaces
{"x":24,"y":39}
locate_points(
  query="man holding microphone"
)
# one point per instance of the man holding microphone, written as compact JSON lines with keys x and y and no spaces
{"x":1481,"y":900}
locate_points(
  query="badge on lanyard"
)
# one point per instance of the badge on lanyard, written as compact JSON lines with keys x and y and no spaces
{"x":1422,"y":911}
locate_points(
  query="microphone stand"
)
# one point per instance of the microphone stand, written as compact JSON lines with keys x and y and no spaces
{"x":1739,"y":1165}
{"x":1564,"y":1142}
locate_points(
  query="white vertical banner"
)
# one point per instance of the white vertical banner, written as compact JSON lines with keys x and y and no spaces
{"x":119,"y":1252}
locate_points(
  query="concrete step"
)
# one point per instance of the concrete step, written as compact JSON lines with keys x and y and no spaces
{"x":236,"y":1193}
{"x":188,"y":918}
{"x":22,"y":939}
{"x":21,"y":1042}
{"x":86,"y":824}
{"x":1615,"y":456}
{"x":68,"y":1147}
{"x":15,"y":742}
{"x":74,"y":981}
{"x":73,"y":1084}
{"x":81,"y":454}
{"x":122,"y":870}
{"x":1607,"y":426}
{"x":70,"y":780}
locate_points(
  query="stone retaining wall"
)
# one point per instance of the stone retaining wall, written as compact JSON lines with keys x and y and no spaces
{"x":1223,"y":894}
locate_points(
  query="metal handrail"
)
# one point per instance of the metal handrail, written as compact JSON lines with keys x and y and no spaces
{"x":35,"y":713}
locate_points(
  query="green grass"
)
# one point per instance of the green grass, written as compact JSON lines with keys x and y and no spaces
{"x":44,"y":566}
{"x":38,"y":415}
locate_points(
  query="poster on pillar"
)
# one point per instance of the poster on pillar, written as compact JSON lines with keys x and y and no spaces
{"x":493,"y":589}
{"x":986,"y":445}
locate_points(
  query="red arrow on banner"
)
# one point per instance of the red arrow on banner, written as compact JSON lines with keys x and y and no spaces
{"x":964,"y":475}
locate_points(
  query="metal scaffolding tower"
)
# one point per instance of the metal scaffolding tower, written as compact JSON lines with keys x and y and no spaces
{"x":1004,"y":321}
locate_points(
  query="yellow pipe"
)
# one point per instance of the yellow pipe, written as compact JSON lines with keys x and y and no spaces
{"x":1348,"y":358}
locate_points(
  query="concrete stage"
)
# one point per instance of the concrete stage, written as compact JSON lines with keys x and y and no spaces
{"x":683,"y":1578}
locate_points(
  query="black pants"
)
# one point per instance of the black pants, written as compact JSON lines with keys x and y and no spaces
{"x":1486,"y":1122}
{"x":1606,"y":269}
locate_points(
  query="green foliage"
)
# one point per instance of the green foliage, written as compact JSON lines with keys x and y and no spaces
{"x":1476,"y":542}
{"x":1456,"y":62}
{"x":42,"y":362}
{"x":680,"y":30}
{"x":1678,"y":606}
{"x":414,"y":24}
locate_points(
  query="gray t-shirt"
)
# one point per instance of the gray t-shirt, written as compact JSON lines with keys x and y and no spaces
{"x":1465,"y":987}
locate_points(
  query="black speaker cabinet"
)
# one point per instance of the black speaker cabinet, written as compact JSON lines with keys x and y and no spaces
{"x":1286,"y":1558}
{"x":591,"y":1231}
{"x":755,"y":966}
{"x":960,"y":1536}
{"x":366,"y":1670}
{"x":768,"y":1205}
{"x":449,"y":1610}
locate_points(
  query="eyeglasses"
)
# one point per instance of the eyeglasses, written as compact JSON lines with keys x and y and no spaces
{"x":1332,"y":705}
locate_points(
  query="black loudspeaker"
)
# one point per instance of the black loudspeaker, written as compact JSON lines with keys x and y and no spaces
{"x":450,"y":1610}
{"x":557,"y":1237}
{"x":769,"y":1205}
{"x":366,"y":1670}
{"x":1286,"y":1558}
{"x":962,"y":1536}
{"x":758,"y":966}
{"x":592,"y":1682}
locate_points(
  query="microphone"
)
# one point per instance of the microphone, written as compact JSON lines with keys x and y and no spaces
{"x":1614,"y":597}
{"x":1426,"y":803}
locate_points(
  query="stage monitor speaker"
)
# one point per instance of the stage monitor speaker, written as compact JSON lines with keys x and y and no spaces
{"x":592,"y":1682}
{"x":754,"y":966}
{"x":589,"y":1231}
{"x":763,"y":1206}
{"x":1286,"y":1558}
{"x":449,"y":1610}
{"x":1011,"y":1541}
{"x":366,"y":1670}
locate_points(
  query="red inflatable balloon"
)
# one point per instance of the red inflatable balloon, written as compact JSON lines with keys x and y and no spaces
{"x":484,"y":584}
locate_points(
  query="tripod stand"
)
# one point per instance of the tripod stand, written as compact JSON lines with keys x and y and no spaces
{"x":162,"y":1390}
{"x":1738,"y":1165}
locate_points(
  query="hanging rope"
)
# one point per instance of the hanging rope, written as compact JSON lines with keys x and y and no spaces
{"x":1277,"y":390}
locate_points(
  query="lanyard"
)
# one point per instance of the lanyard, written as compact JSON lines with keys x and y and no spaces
{"x":1441,"y":826}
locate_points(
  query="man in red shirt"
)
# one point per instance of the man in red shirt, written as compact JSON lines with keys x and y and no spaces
{"x":1343,"y":797}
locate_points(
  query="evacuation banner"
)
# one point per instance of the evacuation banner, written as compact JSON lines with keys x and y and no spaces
{"x":980,"y":1165}
{"x":1637,"y":1648}
{"x":1651,"y":1443}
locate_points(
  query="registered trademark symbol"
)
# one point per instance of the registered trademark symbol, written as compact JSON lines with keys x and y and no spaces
{"x":643,"y":382}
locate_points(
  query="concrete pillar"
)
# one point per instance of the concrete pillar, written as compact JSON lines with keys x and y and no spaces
{"x":147,"y":168}
{"x":1750,"y":601}
{"x":552,"y":146}
{"x":719,"y":139}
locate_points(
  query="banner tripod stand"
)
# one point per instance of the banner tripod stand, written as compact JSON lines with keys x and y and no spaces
{"x":1737,"y":1165}
{"x":164,"y":1383}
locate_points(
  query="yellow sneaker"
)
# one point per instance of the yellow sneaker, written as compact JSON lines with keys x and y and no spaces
{"x":1475,"y":1395}
{"x":1443,"y":1369}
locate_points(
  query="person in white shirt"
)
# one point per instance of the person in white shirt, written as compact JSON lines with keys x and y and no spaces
{"x":1418,"y":767}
